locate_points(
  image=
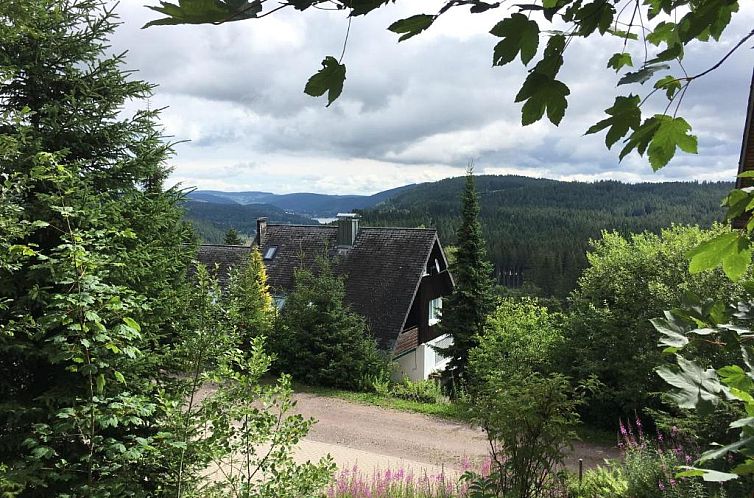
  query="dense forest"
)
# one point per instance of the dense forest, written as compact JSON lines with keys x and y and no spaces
{"x":212,"y":220}
{"x":538,"y":230}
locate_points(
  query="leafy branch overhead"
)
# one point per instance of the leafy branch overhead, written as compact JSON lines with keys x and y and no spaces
{"x":654,"y":35}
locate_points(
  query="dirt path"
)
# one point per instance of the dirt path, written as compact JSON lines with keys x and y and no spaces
{"x":374,"y":437}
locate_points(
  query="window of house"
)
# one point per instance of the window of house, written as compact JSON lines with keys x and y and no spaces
{"x":270,"y":252}
{"x":279,"y":302}
{"x":435,"y":310}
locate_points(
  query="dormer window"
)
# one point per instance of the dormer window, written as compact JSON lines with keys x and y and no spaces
{"x":270,"y":253}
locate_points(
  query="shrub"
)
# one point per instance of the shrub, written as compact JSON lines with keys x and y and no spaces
{"x":528,"y":413}
{"x":319,"y":340}
{"x":423,"y":391}
{"x":629,"y":281}
{"x":607,"y":481}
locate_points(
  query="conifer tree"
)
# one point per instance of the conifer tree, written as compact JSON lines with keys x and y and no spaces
{"x":93,"y":257}
{"x":466,"y":310}
{"x":249,"y":297}
{"x":232,"y":238}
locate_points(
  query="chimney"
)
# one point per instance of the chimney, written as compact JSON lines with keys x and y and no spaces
{"x":261,"y":232}
{"x":348,"y":227}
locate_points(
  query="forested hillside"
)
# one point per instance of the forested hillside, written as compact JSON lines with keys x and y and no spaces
{"x":303,"y":203}
{"x":537,"y":230}
{"x":212,"y":220}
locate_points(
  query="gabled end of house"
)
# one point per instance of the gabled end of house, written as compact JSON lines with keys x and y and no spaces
{"x":394,"y":277}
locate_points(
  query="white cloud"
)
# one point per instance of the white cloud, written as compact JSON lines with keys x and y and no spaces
{"x":410,"y":112}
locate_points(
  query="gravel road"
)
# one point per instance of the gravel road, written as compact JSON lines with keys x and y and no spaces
{"x":373,"y":437}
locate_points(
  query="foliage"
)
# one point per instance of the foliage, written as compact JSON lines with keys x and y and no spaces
{"x":607,"y":481}
{"x":251,"y":307}
{"x":103,"y":345}
{"x":528,"y":412}
{"x":466,"y":309}
{"x":422,"y":391}
{"x":248,"y":450}
{"x":537,"y":231}
{"x":702,"y":384}
{"x":664,"y":29}
{"x":520,"y":334}
{"x":608,"y":331}
{"x":232,"y":238}
{"x":318,"y":339}
{"x":93,"y":258}
{"x":529,"y":420}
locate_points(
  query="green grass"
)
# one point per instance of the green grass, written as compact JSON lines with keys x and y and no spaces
{"x":450,"y":411}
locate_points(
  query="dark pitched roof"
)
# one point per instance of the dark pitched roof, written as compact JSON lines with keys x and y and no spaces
{"x":383,"y":269}
{"x":219,"y":259}
{"x":298,"y":246}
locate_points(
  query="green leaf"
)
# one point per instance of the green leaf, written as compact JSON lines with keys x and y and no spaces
{"x":549,"y":4}
{"x":625,"y":115}
{"x":362,"y":7}
{"x":100,"y":379}
{"x":620,"y":60}
{"x":204,"y":12}
{"x":542,"y":94}
{"x":597,"y":15}
{"x":130,"y":322}
{"x":119,"y":377}
{"x":728,"y":448}
{"x":328,"y":79}
{"x":519,"y":35}
{"x":642,"y":75}
{"x":697,"y":387}
{"x":672,"y":334}
{"x":664,"y":32}
{"x":670,"y":84}
{"x":732,"y":250}
{"x":735,"y":377}
{"x":412,"y":26}
{"x":706,"y":474}
{"x":671,"y":133}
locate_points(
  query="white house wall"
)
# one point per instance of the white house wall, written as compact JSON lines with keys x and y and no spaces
{"x":423,"y":361}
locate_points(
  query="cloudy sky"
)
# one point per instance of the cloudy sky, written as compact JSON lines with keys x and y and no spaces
{"x":411,"y":112}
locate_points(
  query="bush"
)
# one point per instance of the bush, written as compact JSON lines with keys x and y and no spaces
{"x":319,"y":340}
{"x":608,"y":333}
{"x":423,"y":391}
{"x":528,"y":412}
{"x":600,"y":482}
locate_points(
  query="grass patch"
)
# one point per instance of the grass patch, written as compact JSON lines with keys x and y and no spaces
{"x":450,"y":411}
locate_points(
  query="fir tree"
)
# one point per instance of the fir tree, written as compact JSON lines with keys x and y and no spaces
{"x":249,"y":297}
{"x":318,"y":339}
{"x":92,"y":271}
{"x":466,"y":310}
{"x":232,"y":238}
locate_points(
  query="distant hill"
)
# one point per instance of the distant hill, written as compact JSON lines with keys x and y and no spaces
{"x":307,"y":204}
{"x":537,"y":230}
{"x":212,"y":220}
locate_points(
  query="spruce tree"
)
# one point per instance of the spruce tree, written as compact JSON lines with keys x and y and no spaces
{"x":232,"y":238}
{"x":93,"y":257}
{"x":465,"y":311}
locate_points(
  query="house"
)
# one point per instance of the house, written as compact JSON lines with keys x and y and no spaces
{"x":394,"y":277}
